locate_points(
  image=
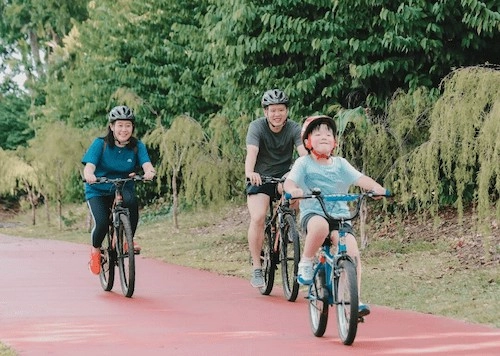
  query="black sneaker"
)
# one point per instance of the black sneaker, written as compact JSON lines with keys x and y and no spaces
{"x":363,"y":310}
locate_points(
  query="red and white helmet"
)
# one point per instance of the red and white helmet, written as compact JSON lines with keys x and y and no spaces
{"x":313,"y":121}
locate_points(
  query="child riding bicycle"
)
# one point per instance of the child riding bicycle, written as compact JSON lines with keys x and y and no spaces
{"x":320,"y":169}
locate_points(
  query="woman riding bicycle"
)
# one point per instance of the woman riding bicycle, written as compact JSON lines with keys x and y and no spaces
{"x":320,"y":169}
{"x":115,"y":155}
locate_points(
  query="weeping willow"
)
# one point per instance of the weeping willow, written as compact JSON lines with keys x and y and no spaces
{"x":460,"y":161}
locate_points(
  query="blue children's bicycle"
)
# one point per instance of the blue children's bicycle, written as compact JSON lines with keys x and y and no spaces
{"x":335,"y":277}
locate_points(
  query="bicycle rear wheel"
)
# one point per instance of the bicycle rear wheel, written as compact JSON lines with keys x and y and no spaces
{"x":126,"y":257}
{"x":108,"y":261}
{"x":318,"y":304}
{"x":290,"y":257}
{"x":346,"y":297}
{"x":268,"y":262}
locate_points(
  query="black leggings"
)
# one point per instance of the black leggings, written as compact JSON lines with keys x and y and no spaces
{"x":100,"y":208}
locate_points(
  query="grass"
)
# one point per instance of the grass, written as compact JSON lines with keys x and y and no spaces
{"x":423,"y":274}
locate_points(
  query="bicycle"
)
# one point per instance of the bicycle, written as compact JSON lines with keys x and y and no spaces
{"x":335,"y":277}
{"x":118,"y":247}
{"x":281,"y":246}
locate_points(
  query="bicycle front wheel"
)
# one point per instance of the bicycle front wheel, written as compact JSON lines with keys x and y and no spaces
{"x":108,"y":261}
{"x":346,"y":297}
{"x":126,"y":257}
{"x":318,"y":304}
{"x":268,"y":262}
{"x":290,"y":257}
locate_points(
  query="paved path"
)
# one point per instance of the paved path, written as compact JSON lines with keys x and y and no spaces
{"x":50,"y":304}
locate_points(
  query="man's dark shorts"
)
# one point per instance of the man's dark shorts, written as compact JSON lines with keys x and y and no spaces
{"x":347,"y":227}
{"x":270,"y":189}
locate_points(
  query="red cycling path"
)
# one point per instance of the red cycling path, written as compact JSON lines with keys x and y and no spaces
{"x":50,"y":304}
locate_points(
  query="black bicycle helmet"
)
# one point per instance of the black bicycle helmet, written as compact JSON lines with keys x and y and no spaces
{"x":273,"y":97}
{"x":121,"y":112}
{"x":311,"y":122}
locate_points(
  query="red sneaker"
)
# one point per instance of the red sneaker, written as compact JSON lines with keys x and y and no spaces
{"x":95,"y":262}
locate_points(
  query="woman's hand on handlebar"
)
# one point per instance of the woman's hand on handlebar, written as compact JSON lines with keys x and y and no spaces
{"x":90,"y":178}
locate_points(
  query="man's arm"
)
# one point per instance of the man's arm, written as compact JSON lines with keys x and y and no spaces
{"x":250,"y":161}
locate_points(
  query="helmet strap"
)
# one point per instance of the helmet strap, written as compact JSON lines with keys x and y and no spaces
{"x":320,"y":155}
{"x":124,"y":143}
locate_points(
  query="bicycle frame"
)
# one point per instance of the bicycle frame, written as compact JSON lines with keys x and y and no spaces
{"x":279,"y":229}
{"x":120,"y":246}
{"x":335,"y":280}
{"x":328,"y":262}
{"x":118,"y":208}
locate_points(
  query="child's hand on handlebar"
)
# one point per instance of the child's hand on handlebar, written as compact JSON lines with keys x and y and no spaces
{"x":295,"y":193}
{"x":379,"y":193}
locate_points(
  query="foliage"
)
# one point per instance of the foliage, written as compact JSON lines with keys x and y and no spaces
{"x":226,"y":145}
{"x":55,"y":166}
{"x":175,"y":146}
{"x":460,"y":162}
{"x":211,"y":60}
{"x":411,"y":44}
{"x":15,"y":130}
{"x":15,"y":173}
{"x":353,"y":53}
{"x":148,"y":52}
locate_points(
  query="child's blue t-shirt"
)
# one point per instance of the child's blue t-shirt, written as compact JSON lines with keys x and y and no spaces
{"x":334,"y":178}
{"x":112,"y":162}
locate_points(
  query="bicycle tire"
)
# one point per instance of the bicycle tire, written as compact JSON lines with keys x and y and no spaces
{"x":318,"y":304}
{"x":346,"y":298}
{"x":290,"y":257}
{"x":126,"y":259}
{"x":108,"y":262}
{"x":268,"y":262}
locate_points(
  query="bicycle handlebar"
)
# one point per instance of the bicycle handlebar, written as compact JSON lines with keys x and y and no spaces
{"x":359,"y":197}
{"x":269,"y":179}
{"x":135,"y":178}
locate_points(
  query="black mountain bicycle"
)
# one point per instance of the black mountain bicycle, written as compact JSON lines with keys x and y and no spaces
{"x":281,"y":246}
{"x":118,"y":247}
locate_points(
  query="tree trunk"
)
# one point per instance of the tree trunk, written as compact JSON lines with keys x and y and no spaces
{"x":47,"y":208}
{"x":32,"y":200}
{"x":59,"y":210}
{"x":175,"y":195}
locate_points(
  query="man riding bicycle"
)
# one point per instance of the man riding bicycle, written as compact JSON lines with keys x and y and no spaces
{"x":270,"y":145}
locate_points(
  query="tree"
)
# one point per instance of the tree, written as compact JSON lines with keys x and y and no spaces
{"x":353,"y":53}
{"x":175,"y":146}
{"x":15,"y":127}
{"x":17,"y":175}
{"x":460,"y":162}
{"x":149,"y":51}
{"x":57,"y":162}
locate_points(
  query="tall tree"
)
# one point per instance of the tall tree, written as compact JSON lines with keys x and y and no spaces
{"x":149,"y":51}
{"x":15,"y":128}
{"x":58,"y":161}
{"x":349,"y":52}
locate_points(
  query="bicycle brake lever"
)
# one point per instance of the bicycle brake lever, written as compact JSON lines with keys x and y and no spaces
{"x":316,"y":191}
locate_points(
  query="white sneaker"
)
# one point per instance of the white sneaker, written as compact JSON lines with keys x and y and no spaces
{"x":257,"y":280}
{"x":305,"y":274}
